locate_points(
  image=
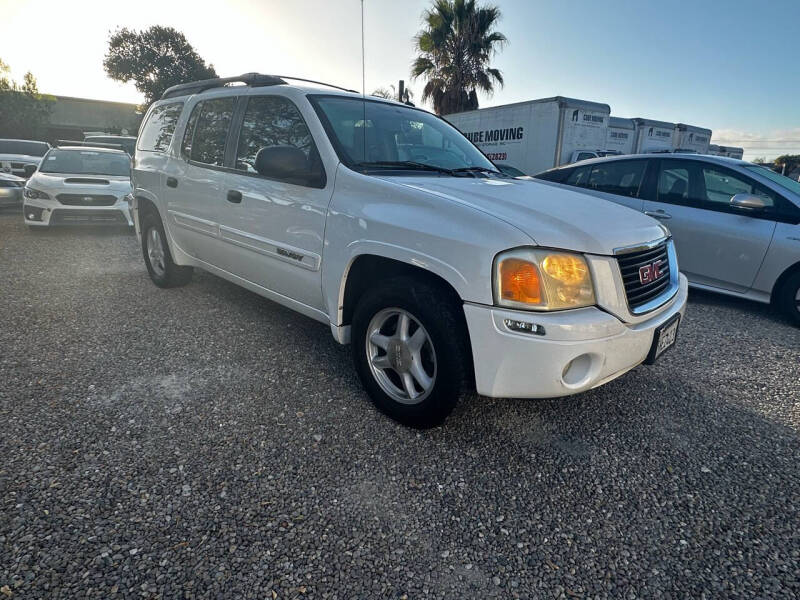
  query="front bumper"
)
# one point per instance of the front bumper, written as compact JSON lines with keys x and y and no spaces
{"x":42,"y":213}
{"x":579,"y":350}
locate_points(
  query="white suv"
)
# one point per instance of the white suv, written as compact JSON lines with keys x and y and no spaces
{"x":386,"y":223}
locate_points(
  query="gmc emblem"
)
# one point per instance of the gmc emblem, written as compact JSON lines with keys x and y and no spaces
{"x":649,"y":273}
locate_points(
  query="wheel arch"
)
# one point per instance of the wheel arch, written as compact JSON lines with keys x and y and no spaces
{"x":788,"y":272}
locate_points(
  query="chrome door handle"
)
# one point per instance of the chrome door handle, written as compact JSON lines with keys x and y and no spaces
{"x":658,"y":214}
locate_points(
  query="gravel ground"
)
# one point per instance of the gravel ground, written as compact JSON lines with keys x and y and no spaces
{"x":204,"y":442}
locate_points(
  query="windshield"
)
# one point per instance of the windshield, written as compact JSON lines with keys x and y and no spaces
{"x":23,"y":147}
{"x":784,"y":182}
{"x":86,"y":162}
{"x":127,"y":143}
{"x":379,"y":134}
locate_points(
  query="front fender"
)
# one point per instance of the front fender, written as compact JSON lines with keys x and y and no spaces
{"x":372,"y":216}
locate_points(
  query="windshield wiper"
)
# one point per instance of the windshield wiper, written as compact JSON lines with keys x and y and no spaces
{"x":479,"y":169}
{"x":406,"y":164}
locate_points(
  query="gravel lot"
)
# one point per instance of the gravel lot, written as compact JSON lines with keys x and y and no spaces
{"x":204,"y":442}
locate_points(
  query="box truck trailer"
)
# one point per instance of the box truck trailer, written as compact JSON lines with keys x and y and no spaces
{"x":620,"y":135}
{"x":730,"y":151}
{"x":689,"y":138}
{"x":653,"y":136}
{"x":536,"y":135}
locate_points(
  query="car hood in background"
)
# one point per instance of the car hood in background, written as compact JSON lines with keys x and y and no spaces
{"x":81,"y":184}
{"x":554,"y":217}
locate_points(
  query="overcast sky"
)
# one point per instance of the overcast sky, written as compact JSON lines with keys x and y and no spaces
{"x":729,"y":65}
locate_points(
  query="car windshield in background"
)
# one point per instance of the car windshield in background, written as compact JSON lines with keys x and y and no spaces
{"x":23,"y":147}
{"x":86,"y":162}
{"x":373,"y":134}
{"x":126,"y":143}
{"x":781,"y":180}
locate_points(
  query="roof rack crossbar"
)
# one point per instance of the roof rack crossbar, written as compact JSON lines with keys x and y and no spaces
{"x":249,"y":79}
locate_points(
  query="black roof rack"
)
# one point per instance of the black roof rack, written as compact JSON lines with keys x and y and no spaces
{"x":249,"y":79}
{"x":61,"y":143}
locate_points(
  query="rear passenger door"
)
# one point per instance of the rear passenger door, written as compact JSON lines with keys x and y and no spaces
{"x":617,"y":181}
{"x":274,"y":229}
{"x":718,"y":245}
{"x":195,"y":183}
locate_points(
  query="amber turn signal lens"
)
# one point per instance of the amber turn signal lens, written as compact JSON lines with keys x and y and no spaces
{"x":565,"y":268}
{"x":519,"y":281}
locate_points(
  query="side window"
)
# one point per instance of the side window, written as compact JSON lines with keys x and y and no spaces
{"x":585,"y":156}
{"x":622,"y":177}
{"x":208,"y":127}
{"x":556,"y":175}
{"x":721,"y":186}
{"x":673,"y":183}
{"x":274,"y":122}
{"x":579,"y":177}
{"x":157,"y":132}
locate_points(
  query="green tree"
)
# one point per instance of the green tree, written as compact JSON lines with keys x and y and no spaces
{"x":24,"y":112}
{"x":791,"y":162}
{"x":455,"y":47}
{"x":154,"y":59}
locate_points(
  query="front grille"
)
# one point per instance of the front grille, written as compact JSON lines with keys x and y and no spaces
{"x":630,"y":264}
{"x":86,"y":199}
{"x":18,"y":165}
{"x":87,"y":217}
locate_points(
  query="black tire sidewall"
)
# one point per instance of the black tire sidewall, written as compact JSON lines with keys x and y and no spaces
{"x":439,"y":317}
{"x":174,"y":275}
{"x":787,"y":298}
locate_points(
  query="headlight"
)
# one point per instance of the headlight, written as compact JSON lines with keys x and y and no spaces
{"x":542,"y":280}
{"x":35,"y":194}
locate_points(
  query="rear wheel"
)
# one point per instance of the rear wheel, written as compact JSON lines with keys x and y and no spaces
{"x":788,"y":298}
{"x":162,"y":269}
{"x":410,"y":351}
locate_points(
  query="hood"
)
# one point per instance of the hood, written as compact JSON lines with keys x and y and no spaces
{"x":554,"y":216}
{"x":81,"y":184}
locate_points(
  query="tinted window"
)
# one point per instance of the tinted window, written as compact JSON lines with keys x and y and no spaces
{"x":86,"y":162}
{"x":207,"y":131}
{"x":620,"y":177}
{"x":702,"y":185}
{"x":579,"y":177}
{"x":721,"y":186}
{"x":585,"y":156}
{"x":271,"y":121}
{"x":23,"y":147}
{"x":556,"y":175}
{"x":157,"y":133}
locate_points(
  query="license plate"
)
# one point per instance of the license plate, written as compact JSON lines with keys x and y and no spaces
{"x":664,"y":339}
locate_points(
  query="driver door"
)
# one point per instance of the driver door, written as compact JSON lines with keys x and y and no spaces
{"x":718,"y":245}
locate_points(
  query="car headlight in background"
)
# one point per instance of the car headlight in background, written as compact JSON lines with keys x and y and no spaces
{"x":542,"y":280}
{"x":35,"y":194}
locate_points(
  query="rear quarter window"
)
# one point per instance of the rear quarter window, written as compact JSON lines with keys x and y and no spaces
{"x":157,"y":131}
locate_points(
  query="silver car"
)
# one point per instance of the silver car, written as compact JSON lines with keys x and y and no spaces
{"x":736,"y":225}
{"x":11,"y":190}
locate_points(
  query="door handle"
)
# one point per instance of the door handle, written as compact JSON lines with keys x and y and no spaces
{"x":234,"y":196}
{"x":658,"y":214}
{"x":172,"y":182}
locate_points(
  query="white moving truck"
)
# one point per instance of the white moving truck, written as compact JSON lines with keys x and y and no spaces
{"x":729,"y":151}
{"x":621,"y":135}
{"x":653,"y":136}
{"x":536,"y":135}
{"x":690,"y":138}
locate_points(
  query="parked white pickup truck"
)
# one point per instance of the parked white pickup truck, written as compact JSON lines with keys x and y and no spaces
{"x":386,"y":223}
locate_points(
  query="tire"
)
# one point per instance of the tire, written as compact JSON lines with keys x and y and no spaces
{"x":162,"y":269}
{"x":788,"y":298}
{"x":384,"y":361}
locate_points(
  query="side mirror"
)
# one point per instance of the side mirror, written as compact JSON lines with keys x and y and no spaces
{"x":30,"y":170}
{"x":748,"y":202}
{"x":283,"y":162}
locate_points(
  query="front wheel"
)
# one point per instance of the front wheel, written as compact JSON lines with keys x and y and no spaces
{"x":789,"y":297}
{"x":162,"y":269}
{"x":410,"y":350}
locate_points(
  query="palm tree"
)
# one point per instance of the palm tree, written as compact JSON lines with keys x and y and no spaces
{"x":454,"y":49}
{"x":390,"y":93}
